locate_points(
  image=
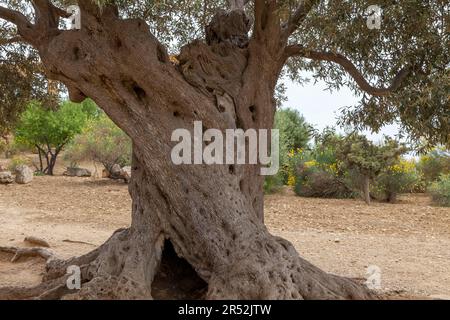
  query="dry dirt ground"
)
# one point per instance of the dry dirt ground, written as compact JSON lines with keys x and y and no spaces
{"x":409,"y":241}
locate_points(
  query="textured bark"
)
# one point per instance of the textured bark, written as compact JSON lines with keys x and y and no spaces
{"x":197,"y":231}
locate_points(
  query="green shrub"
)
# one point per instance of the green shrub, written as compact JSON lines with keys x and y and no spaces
{"x":295,"y":134}
{"x":273,"y":184}
{"x":103,"y":142}
{"x":294,"y":159}
{"x":440,"y":191}
{"x":434,"y":164}
{"x":347,"y":166}
{"x":314,"y":181}
{"x":399,"y":178}
{"x":369,"y":159}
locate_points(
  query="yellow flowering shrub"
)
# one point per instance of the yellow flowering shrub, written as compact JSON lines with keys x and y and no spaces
{"x":399,"y":178}
{"x":291,"y":181}
{"x":404,"y":166}
{"x":311,"y":164}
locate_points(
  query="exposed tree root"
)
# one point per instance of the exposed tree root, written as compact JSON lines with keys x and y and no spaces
{"x":37,"y":242}
{"x":54,"y":285}
{"x":105,"y":274}
{"x":78,"y":242}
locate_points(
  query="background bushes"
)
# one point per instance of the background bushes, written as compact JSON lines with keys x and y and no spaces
{"x":17,"y":161}
{"x":440,"y":191}
{"x":315,"y":181}
{"x":434,"y":164}
{"x":402,"y":177}
{"x":295,"y":133}
{"x":335,"y":166}
{"x":101,"y":141}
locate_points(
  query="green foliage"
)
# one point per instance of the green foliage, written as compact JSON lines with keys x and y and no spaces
{"x":295,"y":134}
{"x":22,"y":77}
{"x":325,"y":148}
{"x":440,"y":191}
{"x":319,"y":173}
{"x":399,"y":178}
{"x":48,"y":128}
{"x":273,"y":184}
{"x":413,"y":34}
{"x":39,"y":174}
{"x":367,"y":158}
{"x":313,"y":180}
{"x":91,"y":109}
{"x":413,"y":37}
{"x":434,"y":164}
{"x":337,"y":167}
{"x":20,"y":81}
{"x":102,"y":141}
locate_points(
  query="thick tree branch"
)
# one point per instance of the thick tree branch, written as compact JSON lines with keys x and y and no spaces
{"x":267,"y":27}
{"x":24,"y":27}
{"x":299,"y":15}
{"x":296,"y":50}
{"x":45,"y":15}
{"x":14,"y":17}
{"x":259,"y":12}
{"x":46,"y":21}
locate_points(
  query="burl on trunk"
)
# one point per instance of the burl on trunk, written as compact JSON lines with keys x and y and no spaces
{"x":197,"y":231}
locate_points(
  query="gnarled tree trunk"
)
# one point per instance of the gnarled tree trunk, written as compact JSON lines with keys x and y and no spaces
{"x":197,"y":227}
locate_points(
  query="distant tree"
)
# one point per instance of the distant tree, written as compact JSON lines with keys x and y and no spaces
{"x":91,"y":109}
{"x":325,"y":146}
{"x":399,"y":178}
{"x":433,"y":164}
{"x":367,"y":159}
{"x":49,"y":130}
{"x":440,"y":190}
{"x":295,"y":133}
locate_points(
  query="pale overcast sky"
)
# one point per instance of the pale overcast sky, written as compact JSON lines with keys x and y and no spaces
{"x":321,"y":108}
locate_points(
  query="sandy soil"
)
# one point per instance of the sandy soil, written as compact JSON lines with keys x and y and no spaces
{"x":408,"y":241}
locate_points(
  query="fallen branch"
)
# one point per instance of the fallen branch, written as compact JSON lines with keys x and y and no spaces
{"x":28,"y":252}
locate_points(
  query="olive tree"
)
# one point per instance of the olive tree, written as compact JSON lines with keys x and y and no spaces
{"x":158,"y":66}
{"x":365,"y":159}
